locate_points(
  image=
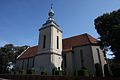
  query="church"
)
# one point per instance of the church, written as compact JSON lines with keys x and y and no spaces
{"x":69,"y":54}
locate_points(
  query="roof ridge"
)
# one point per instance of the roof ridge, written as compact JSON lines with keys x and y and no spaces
{"x":34,"y":46}
{"x":91,"y":37}
{"x":75,"y":36}
{"x":88,"y":37}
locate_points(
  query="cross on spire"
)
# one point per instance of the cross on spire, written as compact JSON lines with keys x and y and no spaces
{"x":51,"y":12}
{"x":51,"y":15}
{"x":51,"y":4}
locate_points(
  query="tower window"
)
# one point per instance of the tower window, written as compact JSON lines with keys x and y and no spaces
{"x":44,"y":41}
{"x":57,"y":42}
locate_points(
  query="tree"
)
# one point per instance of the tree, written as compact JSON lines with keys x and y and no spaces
{"x":107,"y":70}
{"x":108,"y":27}
{"x":9,"y":53}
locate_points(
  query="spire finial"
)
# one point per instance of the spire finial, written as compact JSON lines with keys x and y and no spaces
{"x":51,"y":4}
{"x":51,"y":12}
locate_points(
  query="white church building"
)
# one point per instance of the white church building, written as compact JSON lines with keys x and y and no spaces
{"x":69,"y":55}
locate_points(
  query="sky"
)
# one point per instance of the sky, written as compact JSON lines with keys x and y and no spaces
{"x":21,"y":19}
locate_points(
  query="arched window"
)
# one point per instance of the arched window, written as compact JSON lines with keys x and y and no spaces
{"x":98,"y":53}
{"x":57,"y":42}
{"x":44,"y":41}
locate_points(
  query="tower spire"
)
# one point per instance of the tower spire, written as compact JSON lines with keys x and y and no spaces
{"x":51,"y":13}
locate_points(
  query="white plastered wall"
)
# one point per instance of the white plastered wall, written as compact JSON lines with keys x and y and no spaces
{"x":87,"y":59}
{"x":95,"y":55}
{"x":51,"y":40}
{"x":69,"y":63}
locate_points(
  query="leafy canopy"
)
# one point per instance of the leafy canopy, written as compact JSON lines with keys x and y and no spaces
{"x":108,"y":27}
{"x":9,"y":53}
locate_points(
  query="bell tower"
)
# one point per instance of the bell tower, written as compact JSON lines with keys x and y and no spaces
{"x":49,"y":55}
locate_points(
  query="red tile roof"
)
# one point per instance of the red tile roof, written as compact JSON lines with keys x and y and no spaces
{"x":30,"y":52}
{"x":78,"y":40}
{"x":68,"y":43}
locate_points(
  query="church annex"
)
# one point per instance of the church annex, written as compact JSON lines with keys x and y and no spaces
{"x":69,"y":55}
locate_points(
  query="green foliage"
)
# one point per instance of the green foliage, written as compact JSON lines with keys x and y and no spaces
{"x":83,"y":72}
{"x":33,"y":71}
{"x":56,"y":71}
{"x":13,"y":71}
{"x":45,"y":72}
{"x":107,"y":70}
{"x":53,"y":70}
{"x":108,"y":27}
{"x":9,"y":53}
{"x":98,"y":70}
{"x":115,"y":69}
{"x":23,"y":71}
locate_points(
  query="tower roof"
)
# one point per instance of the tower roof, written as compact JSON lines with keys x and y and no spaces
{"x":50,"y":21}
{"x":51,"y":14}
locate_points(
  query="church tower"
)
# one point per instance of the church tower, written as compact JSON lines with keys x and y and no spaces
{"x":49,"y":55}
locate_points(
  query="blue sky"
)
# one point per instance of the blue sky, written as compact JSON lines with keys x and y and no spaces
{"x":21,"y":19}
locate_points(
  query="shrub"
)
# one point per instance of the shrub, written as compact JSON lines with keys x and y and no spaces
{"x":45,"y":72}
{"x":53,"y":70}
{"x":29,"y":71}
{"x":115,"y":69}
{"x":42,"y":73}
{"x":12,"y":71}
{"x":33,"y":71}
{"x":98,"y":70}
{"x":23,"y":71}
{"x":56,"y":71}
{"x":83,"y":72}
{"x":107,"y":70}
